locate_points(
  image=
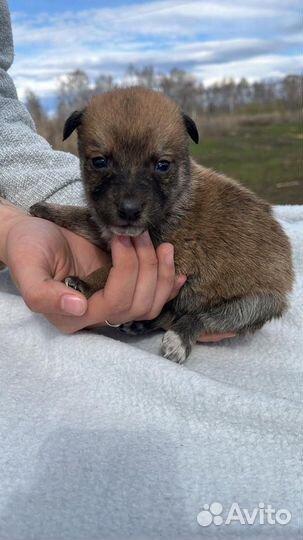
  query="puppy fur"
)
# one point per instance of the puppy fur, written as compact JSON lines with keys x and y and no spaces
{"x":235,"y":254}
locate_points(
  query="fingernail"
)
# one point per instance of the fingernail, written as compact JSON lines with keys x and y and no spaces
{"x":72,"y":305}
{"x":143,"y":240}
{"x":169,"y":258}
{"x":124,"y":240}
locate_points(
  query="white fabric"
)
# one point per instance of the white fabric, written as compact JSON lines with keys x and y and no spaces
{"x":101,"y":438}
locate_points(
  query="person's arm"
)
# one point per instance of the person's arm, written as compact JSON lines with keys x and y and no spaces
{"x":31,"y":170}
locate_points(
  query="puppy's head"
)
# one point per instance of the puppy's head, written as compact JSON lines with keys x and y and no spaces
{"x":134,"y":157}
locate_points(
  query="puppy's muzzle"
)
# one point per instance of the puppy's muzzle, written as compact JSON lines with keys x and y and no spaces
{"x":130,"y":210}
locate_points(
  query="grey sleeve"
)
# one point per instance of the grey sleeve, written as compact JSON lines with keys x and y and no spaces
{"x":30,"y":170}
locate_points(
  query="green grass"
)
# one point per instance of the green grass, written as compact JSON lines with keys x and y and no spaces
{"x":267,"y":159}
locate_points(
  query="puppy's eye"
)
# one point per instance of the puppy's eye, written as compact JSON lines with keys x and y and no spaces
{"x":162,"y":166}
{"x":100,"y":162}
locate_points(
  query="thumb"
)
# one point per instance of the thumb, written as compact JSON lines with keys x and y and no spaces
{"x":43,"y":294}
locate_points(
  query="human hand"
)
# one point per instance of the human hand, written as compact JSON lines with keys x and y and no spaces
{"x":40,"y":255}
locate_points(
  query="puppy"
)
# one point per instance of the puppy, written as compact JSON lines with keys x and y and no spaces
{"x":138,"y":175}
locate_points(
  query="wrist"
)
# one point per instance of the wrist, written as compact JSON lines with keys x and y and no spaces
{"x":9,"y":215}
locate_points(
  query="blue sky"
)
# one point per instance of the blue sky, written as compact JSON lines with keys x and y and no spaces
{"x":212,"y":39}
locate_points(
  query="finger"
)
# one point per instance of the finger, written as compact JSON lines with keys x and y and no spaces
{"x":166,"y":279}
{"x":117,"y":296}
{"x":42,"y":294}
{"x":178,"y":284}
{"x":213,"y":338}
{"x":147,"y":280}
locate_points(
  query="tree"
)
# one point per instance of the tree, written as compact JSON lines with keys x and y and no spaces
{"x":74,"y":92}
{"x":182,"y":88}
{"x":103,"y":83}
{"x":35,"y":108}
{"x":293,"y":91}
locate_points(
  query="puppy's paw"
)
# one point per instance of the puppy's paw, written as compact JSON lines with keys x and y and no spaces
{"x":78,"y":285}
{"x":133,"y":328}
{"x":173,"y":347}
{"x":40,"y":210}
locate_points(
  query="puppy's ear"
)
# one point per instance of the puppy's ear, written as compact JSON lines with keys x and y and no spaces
{"x":191,"y":128}
{"x":73,"y":121}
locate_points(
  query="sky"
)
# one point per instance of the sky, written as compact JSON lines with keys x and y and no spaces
{"x":212,"y":40}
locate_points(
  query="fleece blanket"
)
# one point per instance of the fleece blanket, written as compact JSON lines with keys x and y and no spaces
{"x":103,"y":439}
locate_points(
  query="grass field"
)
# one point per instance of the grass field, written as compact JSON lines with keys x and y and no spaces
{"x":266,"y":158}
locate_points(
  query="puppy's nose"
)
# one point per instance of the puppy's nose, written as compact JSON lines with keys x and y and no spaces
{"x":130,"y":209}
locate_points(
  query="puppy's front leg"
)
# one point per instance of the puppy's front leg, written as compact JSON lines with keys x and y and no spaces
{"x":90,"y":284}
{"x":79,"y":221}
{"x":74,"y":218}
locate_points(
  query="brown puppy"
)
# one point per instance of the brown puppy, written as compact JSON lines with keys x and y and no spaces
{"x":138,"y":175}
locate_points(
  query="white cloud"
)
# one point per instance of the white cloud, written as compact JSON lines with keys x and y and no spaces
{"x":263,"y":67}
{"x":164,"y":18}
{"x":227,"y":38}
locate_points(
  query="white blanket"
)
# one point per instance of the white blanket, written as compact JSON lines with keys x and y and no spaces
{"x":102,"y":439}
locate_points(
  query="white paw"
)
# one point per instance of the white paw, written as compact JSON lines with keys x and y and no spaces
{"x":173,"y":348}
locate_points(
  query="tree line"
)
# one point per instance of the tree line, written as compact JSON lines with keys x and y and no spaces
{"x":226,"y":97}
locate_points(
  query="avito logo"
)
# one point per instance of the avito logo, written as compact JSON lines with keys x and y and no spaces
{"x":261,"y":515}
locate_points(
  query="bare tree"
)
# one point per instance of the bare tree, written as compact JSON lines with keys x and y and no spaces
{"x":103,"y":83}
{"x":35,"y":108}
{"x":74,"y":91}
{"x":183,"y":88}
{"x":293,"y":91}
